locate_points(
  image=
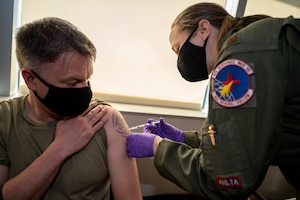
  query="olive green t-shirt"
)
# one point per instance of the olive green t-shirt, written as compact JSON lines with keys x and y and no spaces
{"x":84,"y":175}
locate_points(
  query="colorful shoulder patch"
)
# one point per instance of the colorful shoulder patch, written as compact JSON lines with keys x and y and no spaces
{"x":231,"y":83}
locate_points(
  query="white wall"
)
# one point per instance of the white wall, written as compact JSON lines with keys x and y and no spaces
{"x":275,"y":8}
{"x":134,"y":55}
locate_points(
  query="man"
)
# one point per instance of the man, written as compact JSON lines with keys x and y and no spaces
{"x":54,"y":142}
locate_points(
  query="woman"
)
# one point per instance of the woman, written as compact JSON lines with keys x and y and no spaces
{"x":254,"y":103}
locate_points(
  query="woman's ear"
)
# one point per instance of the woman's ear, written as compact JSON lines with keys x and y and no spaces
{"x":204,"y":28}
{"x":29,"y":78}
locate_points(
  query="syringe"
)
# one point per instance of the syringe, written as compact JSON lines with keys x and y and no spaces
{"x":142,"y":125}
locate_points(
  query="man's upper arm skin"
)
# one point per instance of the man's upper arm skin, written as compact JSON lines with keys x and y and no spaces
{"x":123,"y":170}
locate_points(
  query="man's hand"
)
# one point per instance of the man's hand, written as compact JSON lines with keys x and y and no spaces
{"x":74,"y":134}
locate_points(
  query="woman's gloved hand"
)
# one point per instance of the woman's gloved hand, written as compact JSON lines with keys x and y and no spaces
{"x":140,"y":145}
{"x":164,"y":130}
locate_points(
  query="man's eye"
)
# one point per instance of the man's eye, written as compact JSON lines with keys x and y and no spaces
{"x":72,"y":83}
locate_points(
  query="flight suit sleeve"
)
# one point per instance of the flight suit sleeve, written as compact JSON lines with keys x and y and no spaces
{"x":183,"y":167}
{"x":192,"y":138}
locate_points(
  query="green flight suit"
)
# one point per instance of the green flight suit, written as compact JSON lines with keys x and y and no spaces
{"x":253,"y":118}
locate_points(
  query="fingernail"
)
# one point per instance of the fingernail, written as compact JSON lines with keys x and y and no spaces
{"x":93,"y":103}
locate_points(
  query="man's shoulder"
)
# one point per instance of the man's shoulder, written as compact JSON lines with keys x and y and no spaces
{"x":99,"y":101}
{"x":8,"y":105}
{"x":9,"y":109}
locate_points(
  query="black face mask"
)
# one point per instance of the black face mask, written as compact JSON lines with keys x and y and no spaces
{"x":66,"y":102}
{"x":191,"y":61}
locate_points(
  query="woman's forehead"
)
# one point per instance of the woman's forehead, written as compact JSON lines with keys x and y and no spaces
{"x":177,"y":37}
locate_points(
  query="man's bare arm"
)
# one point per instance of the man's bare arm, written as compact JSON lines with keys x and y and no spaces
{"x":123,"y":170}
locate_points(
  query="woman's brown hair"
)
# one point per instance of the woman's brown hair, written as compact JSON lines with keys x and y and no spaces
{"x":189,"y":18}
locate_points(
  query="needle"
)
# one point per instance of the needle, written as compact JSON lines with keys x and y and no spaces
{"x":142,"y":125}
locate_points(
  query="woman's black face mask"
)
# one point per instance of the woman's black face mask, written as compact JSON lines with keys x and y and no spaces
{"x":191,"y":61}
{"x":66,"y":102}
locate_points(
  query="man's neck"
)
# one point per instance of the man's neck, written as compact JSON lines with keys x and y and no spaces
{"x":36,"y":111}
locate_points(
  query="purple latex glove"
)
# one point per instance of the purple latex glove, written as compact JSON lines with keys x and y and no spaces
{"x":140,"y":145}
{"x":164,"y":130}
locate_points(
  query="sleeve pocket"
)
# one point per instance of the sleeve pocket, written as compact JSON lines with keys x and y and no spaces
{"x":226,"y":164}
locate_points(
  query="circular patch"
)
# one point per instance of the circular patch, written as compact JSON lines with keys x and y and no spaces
{"x":231,"y":83}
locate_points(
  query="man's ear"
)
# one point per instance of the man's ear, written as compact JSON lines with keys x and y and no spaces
{"x":29,"y":78}
{"x":204,"y":28}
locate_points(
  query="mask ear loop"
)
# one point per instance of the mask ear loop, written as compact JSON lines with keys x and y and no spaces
{"x":188,"y":39}
{"x":42,"y":80}
{"x":205,"y":42}
{"x":47,"y":84}
{"x":192,"y":33}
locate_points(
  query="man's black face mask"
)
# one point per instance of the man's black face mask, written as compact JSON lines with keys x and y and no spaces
{"x":66,"y":102}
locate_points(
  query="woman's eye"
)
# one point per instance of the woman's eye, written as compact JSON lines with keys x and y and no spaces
{"x":176,"y":50}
